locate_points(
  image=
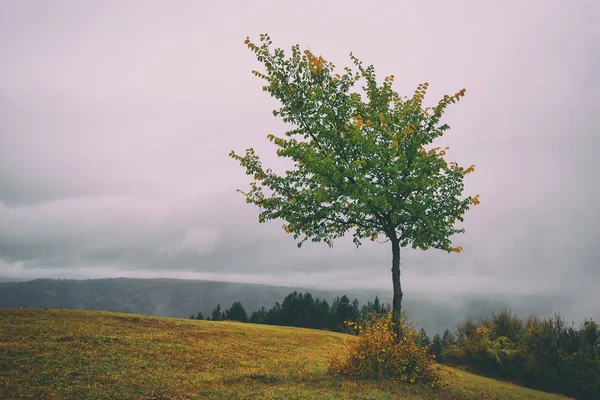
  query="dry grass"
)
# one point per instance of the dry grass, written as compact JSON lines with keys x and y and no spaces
{"x":66,"y":354}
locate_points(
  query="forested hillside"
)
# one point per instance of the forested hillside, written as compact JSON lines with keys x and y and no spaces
{"x":182,"y":298}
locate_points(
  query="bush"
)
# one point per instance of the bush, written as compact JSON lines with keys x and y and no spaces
{"x":545,"y":354}
{"x":377,"y":354}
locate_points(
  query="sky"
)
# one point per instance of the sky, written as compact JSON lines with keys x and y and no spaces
{"x":117,"y":117}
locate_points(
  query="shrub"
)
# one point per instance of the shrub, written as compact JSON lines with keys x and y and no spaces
{"x":376,"y":353}
{"x":545,"y":354}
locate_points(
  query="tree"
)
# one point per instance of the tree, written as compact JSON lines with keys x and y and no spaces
{"x":274,"y":315}
{"x":295,"y":309}
{"x":360,"y":166}
{"x":590,"y":333}
{"x":321,"y":319}
{"x":199,"y":317}
{"x":377,"y":307}
{"x":236,"y":313}
{"x":436,"y":348}
{"x":372,"y":308}
{"x":423,"y":339}
{"x":343,"y":310}
{"x":259,"y":316}
{"x":448,"y":338}
{"x":217,"y":315}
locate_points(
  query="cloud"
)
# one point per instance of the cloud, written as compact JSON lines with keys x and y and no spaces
{"x":116,"y":122}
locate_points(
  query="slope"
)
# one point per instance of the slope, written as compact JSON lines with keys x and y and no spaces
{"x":68,"y":354}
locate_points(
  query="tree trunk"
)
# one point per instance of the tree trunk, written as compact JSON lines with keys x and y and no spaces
{"x":397,"y":300}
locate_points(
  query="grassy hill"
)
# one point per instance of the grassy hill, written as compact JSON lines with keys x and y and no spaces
{"x":69,"y":354}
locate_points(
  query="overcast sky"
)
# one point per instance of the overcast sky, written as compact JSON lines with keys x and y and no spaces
{"x":116,"y":119}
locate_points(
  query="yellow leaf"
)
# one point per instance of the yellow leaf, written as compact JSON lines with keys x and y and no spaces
{"x":457,"y":249}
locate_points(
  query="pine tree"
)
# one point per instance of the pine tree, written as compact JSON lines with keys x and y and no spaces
{"x":236,"y":313}
{"x":217,"y":315}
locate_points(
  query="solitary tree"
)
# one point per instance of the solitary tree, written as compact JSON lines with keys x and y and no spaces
{"x":361,"y":165}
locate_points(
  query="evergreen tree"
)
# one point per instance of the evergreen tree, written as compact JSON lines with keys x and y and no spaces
{"x":236,"y":313}
{"x":436,"y":348}
{"x":297,"y":309}
{"x":321,"y":317}
{"x":294,"y":309}
{"x":448,"y":338}
{"x":355,"y":310}
{"x":200,"y":317}
{"x":274,"y":315}
{"x":217,"y":314}
{"x":259,"y":317}
{"x":372,"y":308}
{"x":423,"y":339}
{"x":342,"y":310}
{"x":302,"y":310}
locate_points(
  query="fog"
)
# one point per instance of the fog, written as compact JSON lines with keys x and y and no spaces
{"x":116,"y":119}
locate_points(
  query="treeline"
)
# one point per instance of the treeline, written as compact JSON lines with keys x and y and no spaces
{"x":545,"y":354}
{"x":302,"y":310}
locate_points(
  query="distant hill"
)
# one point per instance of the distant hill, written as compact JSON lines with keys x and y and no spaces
{"x":182,"y":298}
{"x":160,"y":297}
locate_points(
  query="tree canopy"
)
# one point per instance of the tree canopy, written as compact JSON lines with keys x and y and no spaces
{"x":361,"y":161}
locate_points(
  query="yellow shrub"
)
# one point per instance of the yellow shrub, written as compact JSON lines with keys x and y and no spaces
{"x":377,"y":354}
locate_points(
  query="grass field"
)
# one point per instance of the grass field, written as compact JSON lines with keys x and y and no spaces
{"x":67,"y":354}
